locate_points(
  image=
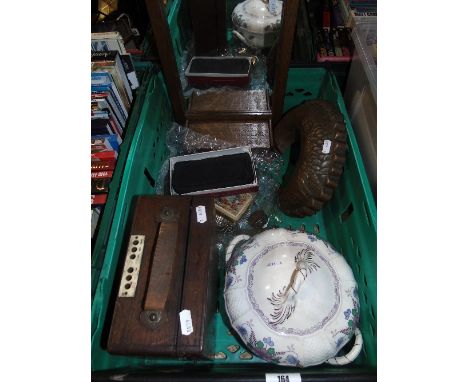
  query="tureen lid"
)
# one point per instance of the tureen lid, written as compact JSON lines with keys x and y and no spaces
{"x":293,"y":293}
{"x":255,"y":16}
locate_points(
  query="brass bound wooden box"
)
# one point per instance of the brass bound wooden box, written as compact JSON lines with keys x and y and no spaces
{"x":166,"y":295}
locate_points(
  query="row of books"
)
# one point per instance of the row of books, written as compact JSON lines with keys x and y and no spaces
{"x":334,"y":44}
{"x":113,"y":83}
{"x":332,"y":37}
{"x":357,"y":11}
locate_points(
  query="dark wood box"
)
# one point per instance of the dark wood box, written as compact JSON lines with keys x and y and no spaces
{"x":240,"y":117}
{"x":170,"y":266}
{"x":218,"y":71}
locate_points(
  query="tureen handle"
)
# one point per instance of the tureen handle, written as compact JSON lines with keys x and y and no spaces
{"x":242,"y":38}
{"x":353,"y":353}
{"x":233,"y":243}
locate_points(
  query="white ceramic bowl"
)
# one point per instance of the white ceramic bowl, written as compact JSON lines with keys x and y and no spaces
{"x":292,"y":298}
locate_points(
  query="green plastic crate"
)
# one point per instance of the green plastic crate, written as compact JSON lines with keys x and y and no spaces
{"x":348,"y":221}
{"x":143,"y":71}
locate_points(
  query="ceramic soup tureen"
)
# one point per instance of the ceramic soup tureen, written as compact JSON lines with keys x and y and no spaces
{"x":292,"y":298}
{"x":257,"y":23}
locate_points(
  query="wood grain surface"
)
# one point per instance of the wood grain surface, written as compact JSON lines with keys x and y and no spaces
{"x":177,"y":272}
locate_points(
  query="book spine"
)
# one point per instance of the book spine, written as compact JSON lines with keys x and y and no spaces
{"x":130,"y":70}
{"x":114,"y":94}
{"x":100,"y":184}
{"x":327,"y":42}
{"x":101,"y":174}
{"x":343,"y":34}
{"x":102,"y":114}
{"x":115,"y":127}
{"x":111,"y":61}
{"x":322,"y":51}
{"x":116,"y":80}
{"x":108,"y":41}
{"x":112,"y":141}
{"x":120,"y":85}
{"x":95,"y":212}
{"x":123,"y":75}
{"x":98,"y":127}
{"x":98,"y":199}
{"x":106,"y":141}
{"x":100,"y":78}
{"x":103,"y":44}
{"x":103,"y":165}
{"x":116,"y":107}
{"x":104,"y":104}
{"x":109,"y":155}
{"x":336,"y":43}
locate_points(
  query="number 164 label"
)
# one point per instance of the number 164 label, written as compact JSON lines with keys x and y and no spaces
{"x":290,"y":377}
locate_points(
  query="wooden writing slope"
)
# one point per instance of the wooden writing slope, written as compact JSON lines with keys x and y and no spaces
{"x":170,"y":267}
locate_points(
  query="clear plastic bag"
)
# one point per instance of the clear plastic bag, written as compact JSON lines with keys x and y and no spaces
{"x":268,"y":165}
{"x":183,"y":141}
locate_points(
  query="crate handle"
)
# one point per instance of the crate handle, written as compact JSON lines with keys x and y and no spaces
{"x":353,"y":353}
{"x":233,"y":243}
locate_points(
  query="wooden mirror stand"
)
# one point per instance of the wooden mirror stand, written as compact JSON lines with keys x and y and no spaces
{"x":162,"y":39}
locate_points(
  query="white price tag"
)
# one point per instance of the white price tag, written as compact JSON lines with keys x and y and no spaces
{"x":201,"y":214}
{"x":186,"y":326}
{"x":287,"y":377}
{"x":326,"y":146}
{"x":272,"y":7}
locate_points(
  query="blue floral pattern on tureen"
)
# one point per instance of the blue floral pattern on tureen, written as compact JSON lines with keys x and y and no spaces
{"x":237,"y":259}
{"x":351,"y":320}
{"x":265,"y":347}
